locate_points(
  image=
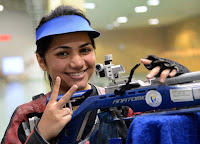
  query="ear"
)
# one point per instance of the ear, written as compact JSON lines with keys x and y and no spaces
{"x":41,"y":62}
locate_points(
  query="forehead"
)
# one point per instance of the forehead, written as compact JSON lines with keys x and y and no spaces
{"x":70,"y":38}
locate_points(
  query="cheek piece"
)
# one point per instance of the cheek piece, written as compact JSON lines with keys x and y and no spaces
{"x":65,"y":24}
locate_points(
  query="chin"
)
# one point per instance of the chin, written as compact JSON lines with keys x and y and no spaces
{"x":81,"y":86}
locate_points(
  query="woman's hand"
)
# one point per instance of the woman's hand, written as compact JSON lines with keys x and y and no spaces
{"x":164,"y":74}
{"x":55,"y":117}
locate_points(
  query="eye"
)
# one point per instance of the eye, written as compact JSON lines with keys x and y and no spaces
{"x":85,"y":50}
{"x":62,"y":54}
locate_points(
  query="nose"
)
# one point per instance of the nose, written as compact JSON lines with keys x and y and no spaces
{"x":76,"y":62}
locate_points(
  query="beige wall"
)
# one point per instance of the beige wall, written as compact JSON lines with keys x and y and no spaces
{"x":135,"y":44}
{"x":183,"y":41}
{"x":179,"y":42}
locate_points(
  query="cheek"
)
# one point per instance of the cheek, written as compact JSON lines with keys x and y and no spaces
{"x":55,"y":65}
{"x":91,"y":61}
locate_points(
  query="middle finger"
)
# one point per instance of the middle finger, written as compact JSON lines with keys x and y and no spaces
{"x":67,"y":96}
{"x":153,"y":72}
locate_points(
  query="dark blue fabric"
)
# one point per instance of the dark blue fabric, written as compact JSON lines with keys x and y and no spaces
{"x":165,"y":129}
{"x":107,"y":129}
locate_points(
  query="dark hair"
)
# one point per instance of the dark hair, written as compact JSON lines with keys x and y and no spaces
{"x":43,"y":43}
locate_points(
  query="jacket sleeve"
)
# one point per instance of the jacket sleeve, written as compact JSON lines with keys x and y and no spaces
{"x":35,"y":138}
{"x":15,"y":133}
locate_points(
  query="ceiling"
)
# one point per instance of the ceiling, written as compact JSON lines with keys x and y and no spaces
{"x":34,"y":8}
{"x":107,"y":11}
{"x":168,"y":12}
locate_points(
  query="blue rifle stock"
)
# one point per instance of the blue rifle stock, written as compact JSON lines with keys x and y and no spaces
{"x":177,"y":92}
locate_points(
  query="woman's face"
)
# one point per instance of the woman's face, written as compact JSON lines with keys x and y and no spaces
{"x":71,"y":57}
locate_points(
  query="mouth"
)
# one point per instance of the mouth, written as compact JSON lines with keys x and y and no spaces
{"x":76,"y":73}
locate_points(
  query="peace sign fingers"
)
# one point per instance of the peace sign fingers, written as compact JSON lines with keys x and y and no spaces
{"x":55,"y":117}
{"x":67,"y":96}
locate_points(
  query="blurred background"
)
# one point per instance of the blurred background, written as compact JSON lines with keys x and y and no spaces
{"x":130,"y":30}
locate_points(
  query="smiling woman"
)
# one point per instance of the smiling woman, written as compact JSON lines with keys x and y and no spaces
{"x":53,"y":24}
{"x":66,"y":52}
{"x":72,"y":58}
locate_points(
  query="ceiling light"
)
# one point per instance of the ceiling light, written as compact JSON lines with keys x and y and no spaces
{"x":116,"y":24}
{"x":153,"y":2}
{"x":1,"y":8}
{"x":109,"y":27}
{"x":154,"y":21}
{"x":141,"y":9}
{"x":122,"y":19}
{"x":89,"y":5}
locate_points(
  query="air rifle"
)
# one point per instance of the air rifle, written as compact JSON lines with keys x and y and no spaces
{"x":177,"y":92}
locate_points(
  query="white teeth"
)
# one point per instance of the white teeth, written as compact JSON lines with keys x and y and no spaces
{"x":76,"y":74}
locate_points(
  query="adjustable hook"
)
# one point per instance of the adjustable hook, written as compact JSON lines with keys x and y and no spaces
{"x":126,"y":86}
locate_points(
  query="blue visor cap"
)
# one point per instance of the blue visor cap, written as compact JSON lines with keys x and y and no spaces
{"x":65,"y":24}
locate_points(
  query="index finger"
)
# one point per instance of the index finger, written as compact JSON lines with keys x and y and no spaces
{"x":55,"y":91}
{"x":67,"y":96}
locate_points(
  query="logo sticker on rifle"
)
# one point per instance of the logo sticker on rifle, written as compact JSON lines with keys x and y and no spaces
{"x":153,"y":98}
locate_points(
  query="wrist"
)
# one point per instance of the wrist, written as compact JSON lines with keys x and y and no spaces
{"x":44,"y":133}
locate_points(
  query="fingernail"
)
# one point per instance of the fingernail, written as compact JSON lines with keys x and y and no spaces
{"x":148,"y":76}
{"x":57,"y":78}
{"x":76,"y":86}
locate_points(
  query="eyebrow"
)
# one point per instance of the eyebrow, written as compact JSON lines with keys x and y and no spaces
{"x":67,"y":47}
{"x":88,"y":43}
